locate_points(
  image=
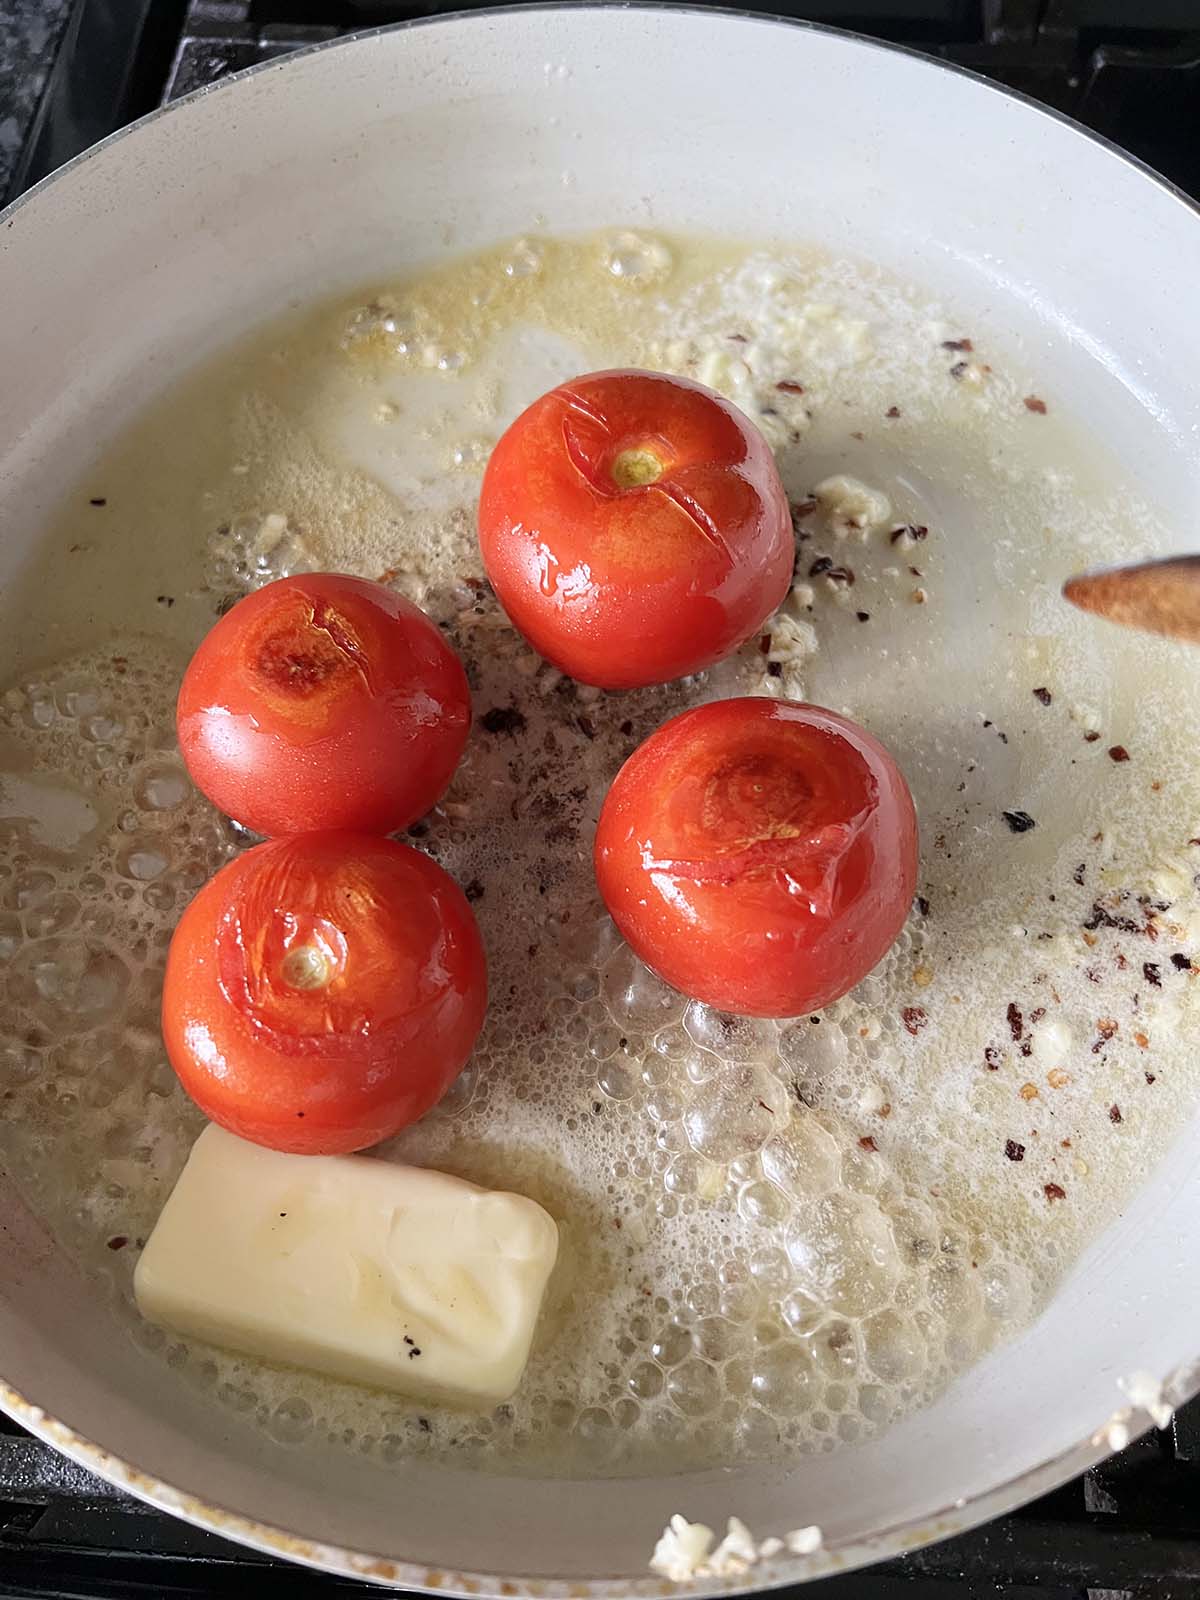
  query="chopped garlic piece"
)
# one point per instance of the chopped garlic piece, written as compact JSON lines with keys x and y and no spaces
{"x":792,"y":639}
{"x":736,"y":1553}
{"x":851,"y":506}
{"x":682,"y":1550}
{"x":1114,"y":1433}
{"x":1146,"y":1393}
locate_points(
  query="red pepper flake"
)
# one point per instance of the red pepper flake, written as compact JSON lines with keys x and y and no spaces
{"x":859,"y":436}
{"x":764,"y":642}
{"x":1032,"y":403}
{"x":586,"y":727}
{"x":1016,"y":1023}
{"x":1152,"y":973}
{"x":1106,"y":1027}
{"x":914,"y":532}
{"x":1091,"y":738}
{"x":118,"y":1241}
{"x":738,"y":338}
{"x":1114,"y":1114}
{"x":1181,"y":963}
{"x":1149,"y":1077}
{"x":787,"y":386}
{"x":867,"y":1143}
{"x":1054,"y":1191}
{"x":991,"y":1058}
{"x":805,"y":508}
{"x":915,"y":1019}
{"x":863,"y":616}
{"x":957,"y":370}
{"x":1013,"y":1150}
{"x":922,"y":905}
{"x":1101,"y":917}
{"x":1043,"y":695}
{"x":892,"y":411}
{"x":957,"y":344}
{"x":1079,"y":872}
{"x":1141,"y":1041}
{"x":1118,"y":752}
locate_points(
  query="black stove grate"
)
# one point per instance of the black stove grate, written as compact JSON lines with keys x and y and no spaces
{"x":1130,"y":1529}
{"x":1130,"y":72}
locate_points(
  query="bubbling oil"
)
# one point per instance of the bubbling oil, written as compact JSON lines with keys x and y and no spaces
{"x":776,"y":1236}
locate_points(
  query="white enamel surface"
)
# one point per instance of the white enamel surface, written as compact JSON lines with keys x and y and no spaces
{"x":390,"y":150}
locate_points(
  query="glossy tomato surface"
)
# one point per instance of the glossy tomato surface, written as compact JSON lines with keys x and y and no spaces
{"x":323,"y":991}
{"x":634,"y":528}
{"x":323,"y":701}
{"x":760,"y":855}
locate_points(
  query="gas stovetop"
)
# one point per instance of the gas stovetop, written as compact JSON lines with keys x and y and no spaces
{"x":1127,"y":1530}
{"x":1131,"y":71}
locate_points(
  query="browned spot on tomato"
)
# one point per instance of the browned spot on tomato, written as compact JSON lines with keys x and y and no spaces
{"x":302,"y":657}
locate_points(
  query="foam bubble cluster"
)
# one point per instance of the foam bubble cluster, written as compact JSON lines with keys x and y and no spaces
{"x":737,"y":1274}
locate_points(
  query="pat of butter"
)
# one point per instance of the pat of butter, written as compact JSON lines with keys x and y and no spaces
{"x":381,"y":1274}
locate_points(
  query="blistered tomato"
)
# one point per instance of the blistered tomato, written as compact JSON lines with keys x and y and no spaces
{"x":760,"y":855}
{"x":323,"y":991}
{"x":323,"y":701}
{"x":634,"y":528}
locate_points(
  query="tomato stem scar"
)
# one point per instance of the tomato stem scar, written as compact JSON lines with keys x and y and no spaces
{"x":306,"y":966}
{"x":636,"y":467}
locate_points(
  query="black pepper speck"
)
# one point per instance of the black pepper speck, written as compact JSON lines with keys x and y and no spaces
{"x":1019,"y":821}
{"x":503,"y":719}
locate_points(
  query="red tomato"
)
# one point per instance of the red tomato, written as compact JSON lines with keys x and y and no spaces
{"x":323,"y":702}
{"x":759,"y":854}
{"x":323,"y":991}
{"x":635,"y":528}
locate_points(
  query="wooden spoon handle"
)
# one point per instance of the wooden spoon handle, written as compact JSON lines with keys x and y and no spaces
{"x":1159,"y":596}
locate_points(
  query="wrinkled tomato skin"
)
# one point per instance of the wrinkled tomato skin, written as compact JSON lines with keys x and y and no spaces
{"x":621,"y":586}
{"x":758,"y":854}
{"x":323,"y":991}
{"x":323,"y":701}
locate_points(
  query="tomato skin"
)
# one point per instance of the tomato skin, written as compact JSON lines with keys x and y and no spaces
{"x":323,"y":701}
{"x":625,"y":586}
{"x":759,"y":854}
{"x":323,"y":991}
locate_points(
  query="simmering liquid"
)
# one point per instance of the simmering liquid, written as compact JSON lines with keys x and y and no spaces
{"x":777,"y":1237}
